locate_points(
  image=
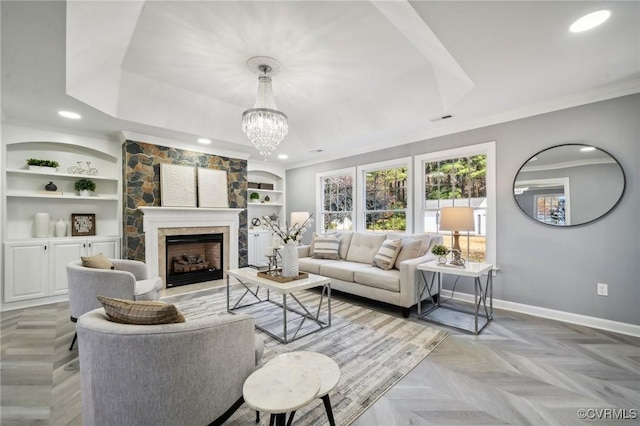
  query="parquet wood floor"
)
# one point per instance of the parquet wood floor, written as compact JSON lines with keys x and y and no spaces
{"x":521,"y":370}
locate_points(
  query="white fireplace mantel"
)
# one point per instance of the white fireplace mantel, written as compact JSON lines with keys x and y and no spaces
{"x":155,"y":218}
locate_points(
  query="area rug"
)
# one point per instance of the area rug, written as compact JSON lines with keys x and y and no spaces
{"x":374,"y":351}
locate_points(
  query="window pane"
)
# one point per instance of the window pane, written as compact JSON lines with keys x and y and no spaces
{"x":458,"y":182}
{"x":386,"y":200}
{"x":337,"y":203}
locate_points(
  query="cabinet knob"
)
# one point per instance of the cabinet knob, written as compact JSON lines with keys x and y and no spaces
{"x":84,"y":245}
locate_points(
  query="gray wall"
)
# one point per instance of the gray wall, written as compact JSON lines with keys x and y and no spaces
{"x":548,"y":267}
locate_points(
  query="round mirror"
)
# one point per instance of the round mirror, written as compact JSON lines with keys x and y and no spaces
{"x":569,"y":185}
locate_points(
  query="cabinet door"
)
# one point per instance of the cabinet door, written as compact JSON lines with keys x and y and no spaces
{"x":263,"y":242}
{"x":251,"y":248}
{"x":63,"y":252}
{"x":26,"y":272}
{"x":107,"y":246}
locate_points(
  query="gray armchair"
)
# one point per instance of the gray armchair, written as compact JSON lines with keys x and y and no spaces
{"x":188,"y":373}
{"x":128,"y":281}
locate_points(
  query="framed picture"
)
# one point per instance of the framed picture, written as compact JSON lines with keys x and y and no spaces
{"x":213,"y":190}
{"x":177,"y":185}
{"x":83,"y":224}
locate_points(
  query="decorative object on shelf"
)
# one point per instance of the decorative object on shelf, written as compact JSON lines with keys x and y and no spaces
{"x":253,"y":185}
{"x":456,"y":219}
{"x":268,"y":186}
{"x":83,"y":186}
{"x":440,"y":251}
{"x":83,"y":224}
{"x":41,"y":225}
{"x":177,"y":185}
{"x":255,"y":221}
{"x":267,"y":199}
{"x":50,"y":187}
{"x":81,"y":170}
{"x":264,"y":125}
{"x":254,"y":196}
{"x":290,"y":236}
{"x":49,"y":166}
{"x":61,"y":228}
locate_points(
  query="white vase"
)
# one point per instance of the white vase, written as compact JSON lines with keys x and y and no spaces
{"x":289,"y":254}
{"x":84,"y":193}
{"x":61,"y":228}
{"x":41,"y":225}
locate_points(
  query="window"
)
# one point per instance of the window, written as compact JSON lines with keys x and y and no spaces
{"x":460,"y":177}
{"x":385,"y":196}
{"x":336,"y":200}
{"x":550,"y":209}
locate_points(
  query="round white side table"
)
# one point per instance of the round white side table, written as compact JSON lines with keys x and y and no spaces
{"x":319,"y":364}
{"x":280,"y":389}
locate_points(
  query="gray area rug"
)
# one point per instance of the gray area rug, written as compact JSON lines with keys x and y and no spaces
{"x":374,"y":351}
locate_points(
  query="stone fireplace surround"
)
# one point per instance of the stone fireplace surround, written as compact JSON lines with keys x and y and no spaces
{"x":158,"y":222}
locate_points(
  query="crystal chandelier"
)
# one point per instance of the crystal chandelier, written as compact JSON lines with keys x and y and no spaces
{"x":264,"y":125}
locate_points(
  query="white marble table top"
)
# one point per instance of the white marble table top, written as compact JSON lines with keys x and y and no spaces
{"x":322,"y":365}
{"x":470,"y":269}
{"x":280,"y":388}
{"x":250,"y":276}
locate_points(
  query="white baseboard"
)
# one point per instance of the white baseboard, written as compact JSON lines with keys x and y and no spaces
{"x":600,"y":323}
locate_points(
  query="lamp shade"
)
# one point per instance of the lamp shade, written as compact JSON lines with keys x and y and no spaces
{"x":298,"y":218}
{"x":456,"y":219}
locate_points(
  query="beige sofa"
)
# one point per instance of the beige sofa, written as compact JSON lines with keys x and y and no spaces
{"x":354,"y":272}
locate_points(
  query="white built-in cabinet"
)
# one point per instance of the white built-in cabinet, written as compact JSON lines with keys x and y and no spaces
{"x":34,"y":269}
{"x":269,"y":202}
{"x":259,"y":244}
{"x":37,"y":269}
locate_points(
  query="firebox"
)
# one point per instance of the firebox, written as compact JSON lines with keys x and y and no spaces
{"x":194,"y":258}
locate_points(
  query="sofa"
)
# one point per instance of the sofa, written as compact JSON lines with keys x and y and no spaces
{"x":188,"y":373}
{"x":377,"y":266}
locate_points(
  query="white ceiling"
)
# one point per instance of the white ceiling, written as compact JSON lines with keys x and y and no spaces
{"x":357,"y":75}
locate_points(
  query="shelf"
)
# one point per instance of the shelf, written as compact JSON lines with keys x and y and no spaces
{"x":65,"y":196}
{"x":264,"y":191}
{"x":265,"y":204}
{"x":56,"y":174}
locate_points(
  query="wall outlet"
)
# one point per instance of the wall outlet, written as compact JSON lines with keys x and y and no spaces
{"x":603,"y":289}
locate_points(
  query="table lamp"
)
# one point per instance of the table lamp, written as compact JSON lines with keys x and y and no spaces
{"x":456,"y":219}
{"x":298,"y":218}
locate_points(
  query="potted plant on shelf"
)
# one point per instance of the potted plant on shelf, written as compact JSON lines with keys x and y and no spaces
{"x":440,"y":251}
{"x":49,"y":166}
{"x":83,"y":186}
{"x":254,"y":197}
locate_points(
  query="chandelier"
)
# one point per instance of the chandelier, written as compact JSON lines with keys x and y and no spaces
{"x":264,"y":125}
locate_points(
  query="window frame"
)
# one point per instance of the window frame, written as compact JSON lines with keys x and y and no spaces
{"x":349,"y":171}
{"x":488,"y":149}
{"x":361,"y":189}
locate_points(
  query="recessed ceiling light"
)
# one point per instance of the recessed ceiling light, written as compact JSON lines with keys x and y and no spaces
{"x":587,"y":148}
{"x":590,"y":21}
{"x":204,"y":141}
{"x":69,"y":114}
{"x":283,"y":156}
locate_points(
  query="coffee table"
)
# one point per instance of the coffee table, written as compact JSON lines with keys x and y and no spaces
{"x":322,"y":365}
{"x":280,"y":389}
{"x":249,"y":279}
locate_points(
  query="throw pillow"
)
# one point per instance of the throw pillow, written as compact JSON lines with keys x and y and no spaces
{"x":409,"y":250}
{"x":141,"y":312}
{"x":387,"y":254}
{"x":326,"y":247}
{"x":99,"y":261}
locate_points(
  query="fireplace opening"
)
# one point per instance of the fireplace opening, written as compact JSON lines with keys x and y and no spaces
{"x":194,"y":258}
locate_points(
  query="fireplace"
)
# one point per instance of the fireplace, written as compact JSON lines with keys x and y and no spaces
{"x":193,"y":259}
{"x":162,"y":222}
